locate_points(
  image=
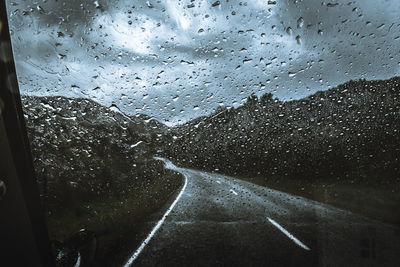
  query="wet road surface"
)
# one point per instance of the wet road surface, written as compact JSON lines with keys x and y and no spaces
{"x":217,"y":220}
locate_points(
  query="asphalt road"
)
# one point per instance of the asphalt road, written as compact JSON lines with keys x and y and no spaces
{"x":221,"y":221}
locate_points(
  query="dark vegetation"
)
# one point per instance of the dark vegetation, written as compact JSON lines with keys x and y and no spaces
{"x":95,"y":170}
{"x":340,"y":146}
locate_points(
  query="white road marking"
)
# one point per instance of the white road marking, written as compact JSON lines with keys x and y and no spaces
{"x":78,"y":261}
{"x":155,"y":229}
{"x":233,"y":191}
{"x":294,"y":239}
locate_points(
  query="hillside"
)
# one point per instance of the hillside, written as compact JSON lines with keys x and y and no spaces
{"x":345,"y":137}
{"x":95,"y":170}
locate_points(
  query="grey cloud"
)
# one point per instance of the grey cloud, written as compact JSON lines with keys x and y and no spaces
{"x":154,"y":59}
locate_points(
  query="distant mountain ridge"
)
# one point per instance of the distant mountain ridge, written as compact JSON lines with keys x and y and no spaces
{"x":347,"y":132}
{"x":89,"y":111}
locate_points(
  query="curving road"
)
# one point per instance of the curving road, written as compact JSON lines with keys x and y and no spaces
{"x":221,"y":221}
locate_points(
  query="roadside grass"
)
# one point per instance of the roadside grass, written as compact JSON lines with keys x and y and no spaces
{"x":371,"y":201}
{"x":118,"y":222}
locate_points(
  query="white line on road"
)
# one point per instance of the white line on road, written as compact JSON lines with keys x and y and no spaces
{"x":233,"y":191}
{"x":155,"y":229}
{"x":78,"y":261}
{"x":295,"y":240}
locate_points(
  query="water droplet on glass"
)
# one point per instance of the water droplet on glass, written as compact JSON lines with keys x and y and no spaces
{"x":216,"y":3}
{"x":298,"y":39}
{"x":97,"y":4}
{"x":300,"y":23}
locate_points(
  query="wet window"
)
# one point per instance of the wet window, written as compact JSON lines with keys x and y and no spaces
{"x":214,"y":133}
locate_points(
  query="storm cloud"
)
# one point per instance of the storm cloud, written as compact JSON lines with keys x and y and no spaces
{"x":177,"y":60}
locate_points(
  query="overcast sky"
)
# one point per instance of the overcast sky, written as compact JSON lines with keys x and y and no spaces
{"x":177,"y":60}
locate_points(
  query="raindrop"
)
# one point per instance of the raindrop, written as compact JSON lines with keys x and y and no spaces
{"x":149,"y":5}
{"x":216,"y":3}
{"x":380,"y":26}
{"x":40,"y":9}
{"x":298,"y":39}
{"x":247,"y":60}
{"x":97,"y":4}
{"x":300,"y":23}
{"x":332,"y":4}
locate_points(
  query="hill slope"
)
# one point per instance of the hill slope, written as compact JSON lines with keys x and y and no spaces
{"x":95,"y":170}
{"x":348,"y":135}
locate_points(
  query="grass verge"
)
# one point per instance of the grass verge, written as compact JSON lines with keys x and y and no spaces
{"x":119,"y":223}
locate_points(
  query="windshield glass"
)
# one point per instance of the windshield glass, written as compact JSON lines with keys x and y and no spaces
{"x":214,"y":133}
